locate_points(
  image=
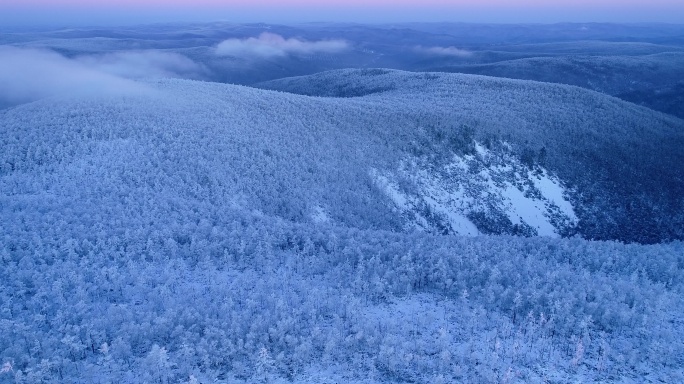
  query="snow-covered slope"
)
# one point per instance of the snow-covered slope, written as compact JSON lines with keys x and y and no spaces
{"x":619,"y":161}
{"x":613,"y":75}
{"x":481,"y":193}
{"x":484,"y":154}
{"x":199,"y":232}
{"x":621,"y":76}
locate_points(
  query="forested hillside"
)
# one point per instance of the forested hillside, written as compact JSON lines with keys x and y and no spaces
{"x":186,"y":231}
{"x":620,"y":164}
{"x":638,"y":79}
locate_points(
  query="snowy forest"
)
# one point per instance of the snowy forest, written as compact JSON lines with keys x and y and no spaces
{"x":218,"y":203}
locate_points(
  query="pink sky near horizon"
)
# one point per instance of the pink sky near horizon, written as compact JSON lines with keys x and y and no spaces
{"x":344,"y":3}
{"x":347,"y":10}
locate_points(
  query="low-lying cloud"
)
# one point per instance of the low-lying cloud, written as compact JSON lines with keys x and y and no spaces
{"x":31,"y":74}
{"x":273,"y":45}
{"x":145,"y":64}
{"x":444,"y":51}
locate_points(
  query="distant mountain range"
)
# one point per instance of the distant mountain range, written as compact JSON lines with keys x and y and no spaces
{"x":640,"y":63}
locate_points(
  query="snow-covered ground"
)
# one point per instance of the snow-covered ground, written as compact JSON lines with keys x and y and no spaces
{"x":482,"y":182}
{"x":220,"y":233}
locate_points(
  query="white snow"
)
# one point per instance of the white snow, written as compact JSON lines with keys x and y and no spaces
{"x":450,"y":203}
{"x":391,"y":189}
{"x":446,"y":202}
{"x":521,"y":209}
{"x":507,"y":185}
{"x":552,"y":190}
{"x":482,"y":151}
{"x":319,"y":216}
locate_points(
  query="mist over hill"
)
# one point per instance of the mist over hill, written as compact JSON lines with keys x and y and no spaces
{"x":633,"y":61}
{"x":348,"y":224}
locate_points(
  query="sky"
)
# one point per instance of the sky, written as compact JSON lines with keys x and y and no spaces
{"x":121,"y":12}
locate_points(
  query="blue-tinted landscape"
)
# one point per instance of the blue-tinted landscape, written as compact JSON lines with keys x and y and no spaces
{"x":342,"y":203}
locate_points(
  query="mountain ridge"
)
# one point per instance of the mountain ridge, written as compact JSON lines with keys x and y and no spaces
{"x":388,"y":128}
{"x":187,"y":231}
{"x":586,"y":138}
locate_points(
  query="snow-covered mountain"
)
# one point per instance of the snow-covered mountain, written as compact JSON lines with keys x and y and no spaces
{"x":620,"y":75}
{"x":618,"y":168}
{"x":186,"y":231}
{"x":442,"y":152}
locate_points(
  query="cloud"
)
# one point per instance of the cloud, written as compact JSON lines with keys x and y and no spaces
{"x":31,"y":74}
{"x":145,"y":64}
{"x":444,"y":51}
{"x":272,"y":45}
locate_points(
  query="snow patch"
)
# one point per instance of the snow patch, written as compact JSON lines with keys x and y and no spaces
{"x":444,"y":203}
{"x":487,"y":185}
{"x":521,"y":209}
{"x":391,"y":189}
{"x":553,"y":191}
{"x":450,"y":202}
{"x":319,"y":215}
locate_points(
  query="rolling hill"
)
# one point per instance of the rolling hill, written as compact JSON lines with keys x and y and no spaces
{"x":640,"y":63}
{"x":638,"y":79}
{"x":191,"y":231}
{"x":610,"y":161}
